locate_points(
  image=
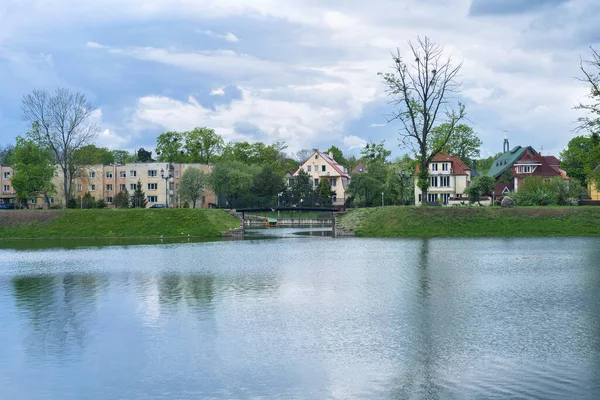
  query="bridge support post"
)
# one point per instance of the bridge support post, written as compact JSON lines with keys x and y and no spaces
{"x":333,"y":233}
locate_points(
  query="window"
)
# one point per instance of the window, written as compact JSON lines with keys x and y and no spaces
{"x":152,"y":172}
{"x":7,"y":188}
{"x":506,"y":190}
{"x":445,"y":167}
{"x":444,"y":181}
{"x":122,"y":174}
{"x":132,"y":174}
{"x":152,"y":199}
{"x":152,"y":186}
{"x":132,"y":186}
{"x":177,"y":186}
{"x":122,"y":187}
{"x":51,"y":200}
{"x":432,"y":197}
{"x":308,"y":168}
{"x":316,"y":182}
{"x":32,"y":201}
{"x":6,"y":175}
{"x":420,"y":198}
{"x":109,"y":200}
{"x":92,"y":188}
{"x":109,"y":187}
{"x":433,"y":181}
{"x":316,"y":156}
{"x":459,"y":195}
{"x":434,"y":167}
{"x":322,"y":168}
{"x":445,"y":198}
{"x":92,"y":174}
{"x":109,"y":174}
{"x":176,"y":174}
{"x":334,"y":182}
{"x":79,"y":187}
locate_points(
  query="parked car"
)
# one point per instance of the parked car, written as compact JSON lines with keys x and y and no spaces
{"x":7,"y":206}
{"x":158,"y":206}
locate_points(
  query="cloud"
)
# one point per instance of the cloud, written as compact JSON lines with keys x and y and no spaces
{"x":94,"y":45}
{"x":353,"y":142}
{"x":218,"y":92}
{"x":230,"y":37}
{"x":504,"y":7}
{"x":376,"y":125}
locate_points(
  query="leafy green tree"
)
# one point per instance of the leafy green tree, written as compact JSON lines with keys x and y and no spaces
{"x":420,"y":93}
{"x":138,"y":200}
{"x":33,"y":170}
{"x":482,"y":185}
{"x":366,"y":188}
{"x":144,"y":156}
{"x":203,"y":145}
{"x":580,"y":158}
{"x":267,"y":185}
{"x":338,"y":155}
{"x":93,"y":155}
{"x":122,"y":156}
{"x":121,"y":200}
{"x":6,"y":153}
{"x":232,"y":182}
{"x":192,"y":186}
{"x":483,"y":165}
{"x":464,"y":143}
{"x":61,"y":122}
{"x":325,"y":193}
{"x":169,"y":147}
{"x":375,"y":152}
{"x":301,"y":189}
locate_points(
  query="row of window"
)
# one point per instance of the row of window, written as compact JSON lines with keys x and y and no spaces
{"x":333,"y":182}
{"x":439,"y":181}
{"x":444,"y":166}
{"x":123,"y":174}
{"x":435,"y":197}
{"x":525,"y":169}
{"x":309,"y":168}
{"x":122,"y":187}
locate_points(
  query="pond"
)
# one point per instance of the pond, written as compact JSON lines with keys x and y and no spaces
{"x":303,"y":317}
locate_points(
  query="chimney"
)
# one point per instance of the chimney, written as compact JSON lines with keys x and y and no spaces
{"x":506,"y":145}
{"x":331,"y":155}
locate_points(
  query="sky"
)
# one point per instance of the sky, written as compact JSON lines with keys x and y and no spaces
{"x":299,"y":71}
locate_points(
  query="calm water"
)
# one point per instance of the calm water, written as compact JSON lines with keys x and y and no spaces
{"x":303,"y":317}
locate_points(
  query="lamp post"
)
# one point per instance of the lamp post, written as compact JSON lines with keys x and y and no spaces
{"x":166,"y":178}
{"x":381,"y":199}
{"x":81,"y":201}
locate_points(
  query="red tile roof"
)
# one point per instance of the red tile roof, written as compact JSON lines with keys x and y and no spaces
{"x":458,"y":166}
{"x":552,"y":161}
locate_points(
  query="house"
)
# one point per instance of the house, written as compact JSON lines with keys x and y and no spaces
{"x":593,"y":189}
{"x":513,"y":166}
{"x":322,"y":166}
{"x":449,"y":177}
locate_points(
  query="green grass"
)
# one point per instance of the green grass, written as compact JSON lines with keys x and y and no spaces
{"x":473,"y":221}
{"x":129,"y":223}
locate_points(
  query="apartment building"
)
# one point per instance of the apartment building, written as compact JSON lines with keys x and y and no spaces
{"x":7,"y":193}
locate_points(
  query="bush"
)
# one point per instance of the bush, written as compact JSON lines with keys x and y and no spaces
{"x":536,"y":191}
{"x":186,"y":205}
{"x":100,"y":204}
{"x":72,"y":203}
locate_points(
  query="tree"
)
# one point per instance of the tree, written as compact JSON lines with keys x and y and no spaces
{"x":591,"y":76}
{"x":33,"y":170}
{"x":169,"y":147}
{"x":138,"y":200}
{"x":338,"y":156}
{"x":122,"y":156}
{"x":192,"y":185}
{"x":92,"y":155}
{"x":366,"y":188}
{"x":121,"y":200}
{"x":325,"y":193}
{"x":580,"y":158}
{"x":302,"y":155}
{"x":301,"y":189}
{"x":375,"y":152}
{"x":6,"y":153}
{"x":480,"y":186}
{"x":203,"y":145}
{"x":232,"y":182}
{"x":464,"y":143}
{"x":483,"y":165}
{"x":144,"y":155}
{"x":63,"y":125}
{"x":420,"y":94}
{"x":267,"y":186}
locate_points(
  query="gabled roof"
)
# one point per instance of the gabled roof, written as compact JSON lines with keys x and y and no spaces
{"x":337,"y":167}
{"x":360,"y":167}
{"x":506,"y":160}
{"x":458,"y":166}
{"x":552,"y":161}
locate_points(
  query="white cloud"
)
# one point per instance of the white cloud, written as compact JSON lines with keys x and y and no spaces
{"x":94,"y":45}
{"x":353,"y":142}
{"x":217,"y":92}
{"x":376,"y":125}
{"x":230,"y":37}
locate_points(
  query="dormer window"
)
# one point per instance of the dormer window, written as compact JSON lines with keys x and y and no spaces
{"x":445,"y":167}
{"x":434,"y":167}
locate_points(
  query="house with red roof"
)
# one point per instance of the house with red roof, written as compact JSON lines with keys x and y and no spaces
{"x":322,"y":166}
{"x":449,"y":177}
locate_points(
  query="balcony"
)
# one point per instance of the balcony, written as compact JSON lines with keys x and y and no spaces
{"x":324,"y":173}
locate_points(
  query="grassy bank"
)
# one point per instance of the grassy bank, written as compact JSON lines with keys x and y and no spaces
{"x":473,"y":221}
{"x":109,"y":223}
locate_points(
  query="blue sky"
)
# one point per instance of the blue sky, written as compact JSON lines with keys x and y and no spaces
{"x":299,"y":71}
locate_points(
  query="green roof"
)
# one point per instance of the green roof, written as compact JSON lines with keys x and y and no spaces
{"x":505,"y":161}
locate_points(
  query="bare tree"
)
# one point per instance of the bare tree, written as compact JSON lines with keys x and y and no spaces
{"x":64,"y":126}
{"x":302,"y":155}
{"x":420,"y":94}
{"x":591,"y":76}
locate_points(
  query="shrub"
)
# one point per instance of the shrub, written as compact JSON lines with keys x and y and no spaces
{"x":72,"y":203}
{"x":99,"y":204}
{"x":186,"y":205}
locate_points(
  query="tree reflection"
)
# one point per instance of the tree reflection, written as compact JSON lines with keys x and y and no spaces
{"x":59,"y":311}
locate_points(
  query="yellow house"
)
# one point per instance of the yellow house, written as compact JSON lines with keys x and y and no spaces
{"x":322,"y":166}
